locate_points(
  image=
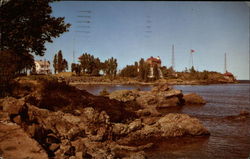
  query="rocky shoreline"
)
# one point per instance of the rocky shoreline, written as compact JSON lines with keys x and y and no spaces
{"x":71,"y":123}
{"x":88,"y":80}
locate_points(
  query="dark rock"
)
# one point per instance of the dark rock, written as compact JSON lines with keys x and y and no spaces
{"x":53,"y":147}
{"x":17,"y":119}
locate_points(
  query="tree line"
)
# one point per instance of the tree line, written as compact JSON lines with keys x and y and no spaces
{"x":141,"y":71}
{"x":88,"y":64}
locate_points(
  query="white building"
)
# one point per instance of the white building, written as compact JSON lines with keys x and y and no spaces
{"x":152,"y":62}
{"x":42,"y":67}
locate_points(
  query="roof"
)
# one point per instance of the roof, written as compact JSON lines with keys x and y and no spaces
{"x":154,"y":60}
{"x":40,"y":62}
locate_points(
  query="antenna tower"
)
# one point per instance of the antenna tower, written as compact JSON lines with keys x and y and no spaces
{"x":225,"y":63}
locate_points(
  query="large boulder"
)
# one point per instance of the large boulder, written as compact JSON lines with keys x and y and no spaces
{"x":193,"y":98}
{"x":171,"y":125}
{"x":12,"y":105}
{"x":124,"y":95}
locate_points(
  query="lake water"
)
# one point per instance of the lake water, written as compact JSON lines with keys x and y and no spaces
{"x":229,"y":139}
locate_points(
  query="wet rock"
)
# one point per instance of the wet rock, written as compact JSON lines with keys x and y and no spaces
{"x":243,"y":115}
{"x":193,"y":98}
{"x":131,"y":148}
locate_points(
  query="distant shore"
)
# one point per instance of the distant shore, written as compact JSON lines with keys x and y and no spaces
{"x":83,"y":80}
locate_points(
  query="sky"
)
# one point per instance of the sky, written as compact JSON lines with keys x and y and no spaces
{"x":129,"y":31}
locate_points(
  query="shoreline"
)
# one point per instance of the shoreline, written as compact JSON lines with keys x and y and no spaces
{"x":151,"y":83}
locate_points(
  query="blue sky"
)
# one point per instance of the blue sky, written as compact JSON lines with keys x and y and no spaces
{"x":129,"y":31}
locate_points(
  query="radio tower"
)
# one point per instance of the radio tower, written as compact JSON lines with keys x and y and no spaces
{"x":173,"y":64}
{"x":74,"y":50}
{"x":225,"y":63}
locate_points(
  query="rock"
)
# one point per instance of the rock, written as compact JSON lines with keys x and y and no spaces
{"x":136,"y":155}
{"x":124,"y":129}
{"x":12,"y":105}
{"x":244,"y":112}
{"x":32,"y":130}
{"x":131,"y":148}
{"x":193,"y":98}
{"x":169,"y":102}
{"x":143,"y":112}
{"x":150,"y":120}
{"x":53,"y":147}
{"x":160,"y":88}
{"x":15,"y":143}
{"x":243,"y":115}
{"x":160,"y":97}
{"x":17,"y":119}
{"x":135,"y":125}
{"x":173,"y":125}
{"x":171,"y":93}
{"x":120,"y":129}
{"x":124,"y":95}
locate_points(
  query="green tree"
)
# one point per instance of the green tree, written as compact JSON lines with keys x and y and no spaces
{"x":25,"y":27}
{"x":59,"y":62}
{"x":55,"y":63}
{"x":110,"y":67}
{"x":64,"y":65}
{"x":76,"y":68}
{"x":129,"y":71}
{"x":90,"y":64}
{"x":141,"y":69}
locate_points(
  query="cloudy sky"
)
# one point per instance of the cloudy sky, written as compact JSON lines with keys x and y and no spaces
{"x":129,"y":31}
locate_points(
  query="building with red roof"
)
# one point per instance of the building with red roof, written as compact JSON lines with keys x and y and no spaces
{"x":154,"y":61}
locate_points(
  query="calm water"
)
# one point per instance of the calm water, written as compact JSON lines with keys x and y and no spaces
{"x":229,"y":139}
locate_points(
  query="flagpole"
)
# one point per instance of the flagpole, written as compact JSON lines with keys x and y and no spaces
{"x":192,"y":62}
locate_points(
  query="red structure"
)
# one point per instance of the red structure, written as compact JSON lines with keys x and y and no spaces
{"x":228,"y":74}
{"x":154,"y":61}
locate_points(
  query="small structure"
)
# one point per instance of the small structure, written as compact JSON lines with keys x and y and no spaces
{"x":152,"y":61}
{"x":229,"y":76}
{"x":42,"y":67}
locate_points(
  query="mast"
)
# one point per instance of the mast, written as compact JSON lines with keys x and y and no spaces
{"x":225,"y":63}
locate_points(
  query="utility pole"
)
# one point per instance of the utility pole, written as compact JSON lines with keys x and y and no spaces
{"x":173,"y":64}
